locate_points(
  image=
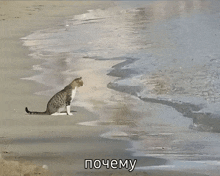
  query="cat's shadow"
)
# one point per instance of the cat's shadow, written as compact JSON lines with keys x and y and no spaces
{"x":66,"y":112}
{"x":62,"y":113}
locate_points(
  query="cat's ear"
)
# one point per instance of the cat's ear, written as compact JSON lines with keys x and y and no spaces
{"x":80,"y":78}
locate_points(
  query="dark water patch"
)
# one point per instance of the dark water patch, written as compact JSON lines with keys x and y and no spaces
{"x":206,"y":122}
{"x":122,"y":73}
{"x":132,"y":90}
{"x":201,"y":121}
{"x":186,"y":109}
{"x":118,"y":71}
{"x":122,"y":64}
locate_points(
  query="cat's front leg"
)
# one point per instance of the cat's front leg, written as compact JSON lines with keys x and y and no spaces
{"x":68,"y":110}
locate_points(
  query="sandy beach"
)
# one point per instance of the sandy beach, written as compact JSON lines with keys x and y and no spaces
{"x":50,"y":145}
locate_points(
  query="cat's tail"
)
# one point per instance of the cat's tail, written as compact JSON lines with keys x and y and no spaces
{"x":32,"y":112}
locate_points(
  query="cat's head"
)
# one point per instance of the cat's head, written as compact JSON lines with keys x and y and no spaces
{"x":77,"y":82}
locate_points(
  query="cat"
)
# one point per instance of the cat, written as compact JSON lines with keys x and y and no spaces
{"x":61,"y":100}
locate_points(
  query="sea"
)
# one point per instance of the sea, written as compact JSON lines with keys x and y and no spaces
{"x":151,"y":72}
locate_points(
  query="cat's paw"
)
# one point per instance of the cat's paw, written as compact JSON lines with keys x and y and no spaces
{"x":70,"y":114}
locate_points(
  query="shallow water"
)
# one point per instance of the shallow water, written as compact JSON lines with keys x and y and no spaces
{"x":151,"y":71}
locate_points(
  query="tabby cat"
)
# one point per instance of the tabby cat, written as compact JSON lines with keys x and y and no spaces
{"x":61,"y":100}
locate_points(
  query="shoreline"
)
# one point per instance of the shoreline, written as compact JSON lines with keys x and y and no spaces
{"x":18,"y":19}
{"x":33,"y":138}
{"x":16,"y":62}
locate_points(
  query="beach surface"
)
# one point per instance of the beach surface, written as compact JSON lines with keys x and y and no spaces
{"x":52,"y":145}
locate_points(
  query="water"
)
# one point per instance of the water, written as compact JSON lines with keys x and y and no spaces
{"x":151,"y":70}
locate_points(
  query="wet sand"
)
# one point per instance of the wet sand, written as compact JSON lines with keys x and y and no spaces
{"x":29,"y":142}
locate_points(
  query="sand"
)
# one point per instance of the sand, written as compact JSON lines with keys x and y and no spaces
{"x":18,"y":19}
{"x":27,"y":143}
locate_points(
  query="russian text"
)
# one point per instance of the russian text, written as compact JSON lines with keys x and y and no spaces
{"x":113,"y":164}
